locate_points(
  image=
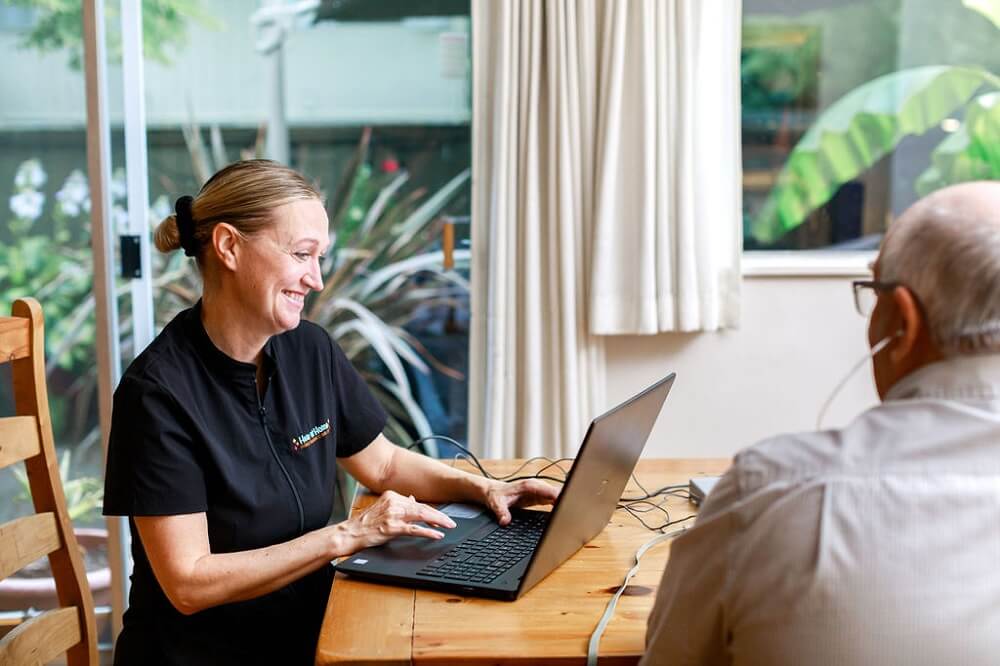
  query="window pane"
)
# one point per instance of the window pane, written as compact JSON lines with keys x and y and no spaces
{"x":853,"y":110}
{"x":45,"y":253}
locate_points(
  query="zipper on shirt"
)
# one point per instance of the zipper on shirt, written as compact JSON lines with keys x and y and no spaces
{"x":262,"y":411}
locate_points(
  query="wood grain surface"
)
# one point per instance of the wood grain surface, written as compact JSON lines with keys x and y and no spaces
{"x":368,"y":623}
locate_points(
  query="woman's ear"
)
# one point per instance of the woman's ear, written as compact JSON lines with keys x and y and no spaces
{"x":908,"y":322}
{"x":225,"y":244}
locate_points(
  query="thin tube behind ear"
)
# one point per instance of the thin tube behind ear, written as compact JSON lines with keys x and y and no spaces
{"x":872,"y":353}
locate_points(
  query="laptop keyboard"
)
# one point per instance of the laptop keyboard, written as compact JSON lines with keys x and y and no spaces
{"x":484,"y":559}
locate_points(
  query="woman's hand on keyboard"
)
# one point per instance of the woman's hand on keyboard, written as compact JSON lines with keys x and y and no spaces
{"x":501,"y":496}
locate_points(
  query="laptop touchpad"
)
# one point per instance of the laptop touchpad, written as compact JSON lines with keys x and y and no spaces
{"x":461,"y":510}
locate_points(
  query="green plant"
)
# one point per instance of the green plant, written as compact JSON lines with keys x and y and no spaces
{"x":862,"y":127}
{"x":970,"y":153}
{"x":44,"y":253}
{"x":382,"y":270}
{"x":84,"y":495}
{"x":59,"y":26}
{"x":778,"y":64}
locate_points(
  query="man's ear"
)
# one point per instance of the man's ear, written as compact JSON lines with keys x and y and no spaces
{"x":226,"y":245}
{"x":909,"y":323}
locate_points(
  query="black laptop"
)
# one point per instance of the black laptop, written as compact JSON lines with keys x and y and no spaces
{"x":480,"y":558}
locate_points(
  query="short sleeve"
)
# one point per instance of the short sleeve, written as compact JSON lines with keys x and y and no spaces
{"x":153,"y":467}
{"x":359,"y":416}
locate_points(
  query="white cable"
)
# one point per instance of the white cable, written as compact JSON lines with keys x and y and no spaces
{"x":879,"y":346}
{"x":595,"y":638}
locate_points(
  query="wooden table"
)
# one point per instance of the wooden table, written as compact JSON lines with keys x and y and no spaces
{"x":368,"y":623}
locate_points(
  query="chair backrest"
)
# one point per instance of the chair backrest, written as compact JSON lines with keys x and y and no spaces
{"x":71,"y":628}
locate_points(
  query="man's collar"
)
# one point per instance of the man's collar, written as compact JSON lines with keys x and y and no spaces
{"x":975,"y":377}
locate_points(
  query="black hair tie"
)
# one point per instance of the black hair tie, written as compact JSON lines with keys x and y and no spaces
{"x":185,"y":225}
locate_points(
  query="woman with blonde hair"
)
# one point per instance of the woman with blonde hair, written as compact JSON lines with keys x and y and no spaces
{"x":227,"y":432}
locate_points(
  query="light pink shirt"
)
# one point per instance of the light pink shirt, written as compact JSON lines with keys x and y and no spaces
{"x":875,"y":544}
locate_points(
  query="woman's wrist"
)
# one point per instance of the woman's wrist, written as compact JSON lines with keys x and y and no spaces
{"x":342,"y":541}
{"x":482,"y":487}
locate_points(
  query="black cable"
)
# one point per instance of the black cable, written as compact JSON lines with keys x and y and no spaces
{"x":527,"y":462}
{"x":658,"y":528}
{"x":455,"y":443}
{"x":635,"y":506}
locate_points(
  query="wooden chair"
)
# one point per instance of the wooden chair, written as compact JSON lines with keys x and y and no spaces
{"x":28,"y":437}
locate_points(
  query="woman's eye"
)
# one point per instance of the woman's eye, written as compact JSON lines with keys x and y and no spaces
{"x":302,"y":256}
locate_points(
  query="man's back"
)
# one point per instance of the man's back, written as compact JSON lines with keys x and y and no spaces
{"x":876,"y":544}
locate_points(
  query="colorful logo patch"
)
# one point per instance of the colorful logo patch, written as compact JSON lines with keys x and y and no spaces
{"x":307,"y":439}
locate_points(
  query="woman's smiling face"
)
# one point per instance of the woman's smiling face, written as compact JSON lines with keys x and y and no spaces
{"x":280,"y":265}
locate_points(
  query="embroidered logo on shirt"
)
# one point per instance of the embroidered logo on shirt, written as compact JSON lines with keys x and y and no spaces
{"x":307,"y":439}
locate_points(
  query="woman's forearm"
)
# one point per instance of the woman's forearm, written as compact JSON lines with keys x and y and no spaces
{"x":431,"y":480}
{"x":195,"y":579}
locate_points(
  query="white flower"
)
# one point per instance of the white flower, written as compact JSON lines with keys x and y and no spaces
{"x":159,"y":210}
{"x":119,"y":188}
{"x":30,"y":175}
{"x":27,"y":204}
{"x":74,"y":195}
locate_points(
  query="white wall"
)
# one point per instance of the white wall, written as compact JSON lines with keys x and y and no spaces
{"x":799,"y":337}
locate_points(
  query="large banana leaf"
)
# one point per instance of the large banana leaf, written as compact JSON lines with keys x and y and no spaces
{"x":971,"y":153}
{"x":858,"y":130}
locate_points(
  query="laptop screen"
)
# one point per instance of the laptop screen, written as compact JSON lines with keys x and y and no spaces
{"x":597,"y":479}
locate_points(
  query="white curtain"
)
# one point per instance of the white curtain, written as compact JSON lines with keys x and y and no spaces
{"x":536,"y":373}
{"x":578,"y":227}
{"x":668,"y":229}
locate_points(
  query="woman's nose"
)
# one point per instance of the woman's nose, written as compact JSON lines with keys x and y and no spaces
{"x":314,"y":278}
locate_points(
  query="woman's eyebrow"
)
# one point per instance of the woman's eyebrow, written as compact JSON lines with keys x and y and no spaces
{"x":311,"y":243}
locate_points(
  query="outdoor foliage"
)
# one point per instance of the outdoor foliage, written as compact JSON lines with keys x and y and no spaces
{"x":970,"y":153}
{"x":59,"y":26}
{"x":867,"y":124}
{"x":84,"y":494}
{"x":383,"y":270}
{"x":778,"y":65}
{"x":45,"y":253}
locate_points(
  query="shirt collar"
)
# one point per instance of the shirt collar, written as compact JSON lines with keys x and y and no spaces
{"x":963,"y":377}
{"x":217,"y":359}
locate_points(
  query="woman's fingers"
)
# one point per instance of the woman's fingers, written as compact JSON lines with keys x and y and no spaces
{"x":432,"y":516}
{"x":527,"y":492}
{"x":395,"y":515}
{"x":413,"y":529}
{"x":541,"y":492}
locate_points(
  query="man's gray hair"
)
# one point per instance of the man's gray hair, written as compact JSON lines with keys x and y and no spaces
{"x":946,"y":249}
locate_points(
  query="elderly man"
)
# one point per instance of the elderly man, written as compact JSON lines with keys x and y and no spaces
{"x":878,"y":543}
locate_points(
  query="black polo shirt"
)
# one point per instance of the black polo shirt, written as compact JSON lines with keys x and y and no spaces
{"x":190,"y":433}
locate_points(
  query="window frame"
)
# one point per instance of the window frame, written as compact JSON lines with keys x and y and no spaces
{"x":806,"y":263}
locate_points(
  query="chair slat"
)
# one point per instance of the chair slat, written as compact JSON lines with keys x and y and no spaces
{"x":18,"y":439}
{"x":24,"y":540}
{"x":42,"y":638}
{"x":15,"y":340}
